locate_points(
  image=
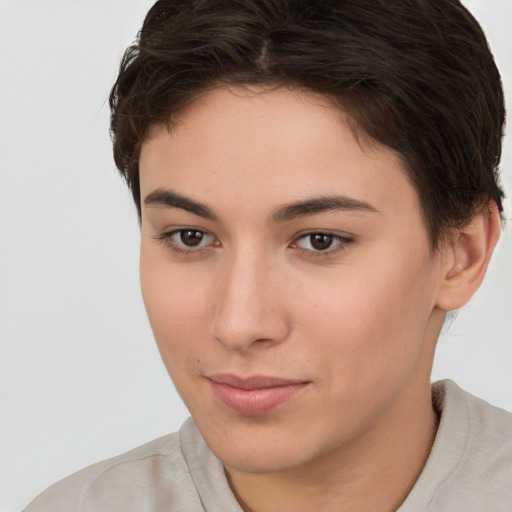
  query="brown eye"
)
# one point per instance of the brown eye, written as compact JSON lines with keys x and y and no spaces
{"x":191,"y":237}
{"x":321,"y":241}
{"x":322,"y":244}
{"x":188,"y":241}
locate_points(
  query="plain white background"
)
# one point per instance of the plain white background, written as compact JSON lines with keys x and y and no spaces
{"x":80,"y":377}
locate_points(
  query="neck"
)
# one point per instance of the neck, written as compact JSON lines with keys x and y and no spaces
{"x":375,"y":473}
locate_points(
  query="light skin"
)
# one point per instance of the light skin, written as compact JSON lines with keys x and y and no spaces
{"x":274,"y":243}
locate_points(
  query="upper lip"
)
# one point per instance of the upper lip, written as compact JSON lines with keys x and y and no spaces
{"x":253,"y":382}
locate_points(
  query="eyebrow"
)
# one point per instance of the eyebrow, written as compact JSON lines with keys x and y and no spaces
{"x":320,"y":205}
{"x":287,"y":212}
{"x":172,"y":199}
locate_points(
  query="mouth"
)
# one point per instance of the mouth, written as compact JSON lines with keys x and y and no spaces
{"x":254,"y":396}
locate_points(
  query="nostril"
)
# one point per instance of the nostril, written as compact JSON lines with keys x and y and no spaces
{"x":263,"y":341}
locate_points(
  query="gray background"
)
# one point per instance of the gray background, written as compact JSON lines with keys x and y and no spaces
{"x":80,"y":377}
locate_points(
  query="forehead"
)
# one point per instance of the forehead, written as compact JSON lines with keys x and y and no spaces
{"x":259,"y":148}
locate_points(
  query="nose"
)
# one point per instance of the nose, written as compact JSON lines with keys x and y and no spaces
{"x":250,"y":309}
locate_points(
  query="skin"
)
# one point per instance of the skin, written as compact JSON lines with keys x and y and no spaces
{"x":358,"y":321}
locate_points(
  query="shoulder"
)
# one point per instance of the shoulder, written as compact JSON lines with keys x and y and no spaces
{"x":487,"y":459}
{"x":486,"y":429}
{"x":137,"y":480}
{"x":470,"y":465}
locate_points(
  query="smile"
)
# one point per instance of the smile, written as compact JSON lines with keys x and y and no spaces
{"x":255,"y":395}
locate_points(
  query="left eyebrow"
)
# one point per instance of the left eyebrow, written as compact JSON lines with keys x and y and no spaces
{"x":320,"y":205}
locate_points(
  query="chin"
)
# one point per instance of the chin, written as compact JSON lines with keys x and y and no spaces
{"x":264,"y":461}
{"x":258,"y":450}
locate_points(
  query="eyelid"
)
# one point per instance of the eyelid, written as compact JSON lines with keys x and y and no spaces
{"x":342,"y":242}
{"x":177,"y":246}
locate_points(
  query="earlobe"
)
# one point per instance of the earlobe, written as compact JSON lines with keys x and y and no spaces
{"x":469,"y":253}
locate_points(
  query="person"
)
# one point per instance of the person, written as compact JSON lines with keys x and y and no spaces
{"x":318,"y":188}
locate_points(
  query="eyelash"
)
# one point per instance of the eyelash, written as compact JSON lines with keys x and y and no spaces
{"x":342,"y":243}
{"x":183,"y":250}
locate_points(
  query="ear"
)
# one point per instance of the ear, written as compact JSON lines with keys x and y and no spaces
{"x":466,"y":258}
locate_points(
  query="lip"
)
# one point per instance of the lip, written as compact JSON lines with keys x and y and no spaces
{"x":256,"y":395}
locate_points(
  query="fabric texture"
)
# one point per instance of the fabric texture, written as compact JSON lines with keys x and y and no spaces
{"x":469,"y":469}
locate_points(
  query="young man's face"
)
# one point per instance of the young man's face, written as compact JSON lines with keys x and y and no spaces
{"x":279,"y":253}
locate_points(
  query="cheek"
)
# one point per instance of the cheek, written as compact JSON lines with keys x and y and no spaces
{"x":369,"y":322}
{"x":177,"y":304}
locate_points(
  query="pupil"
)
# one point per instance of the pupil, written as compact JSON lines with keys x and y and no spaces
{"x":320,"y":241}
{"x":191,"y":237}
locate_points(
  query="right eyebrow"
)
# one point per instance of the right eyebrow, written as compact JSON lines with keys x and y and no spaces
{"x":171,"y":199}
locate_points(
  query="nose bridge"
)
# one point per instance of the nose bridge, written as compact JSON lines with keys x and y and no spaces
{"x":248,"y":308}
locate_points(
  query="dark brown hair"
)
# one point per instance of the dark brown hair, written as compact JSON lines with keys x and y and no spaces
{"x":415,"y":75}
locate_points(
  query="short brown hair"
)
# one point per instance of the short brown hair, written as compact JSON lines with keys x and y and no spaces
{"x":414,"y":75}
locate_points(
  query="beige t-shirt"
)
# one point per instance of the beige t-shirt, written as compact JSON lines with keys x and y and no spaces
{"x":469,"y":470}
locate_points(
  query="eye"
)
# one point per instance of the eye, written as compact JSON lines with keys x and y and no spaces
{"x":187,"y":240}
{"x":321,"y":243}
{"x":191,"y":237}
{"x":318,"y":241}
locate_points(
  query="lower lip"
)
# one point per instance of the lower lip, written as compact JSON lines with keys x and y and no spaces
{"x":254,"y":402}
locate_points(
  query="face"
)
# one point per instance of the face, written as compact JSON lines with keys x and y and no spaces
{"x":287,"y":275}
